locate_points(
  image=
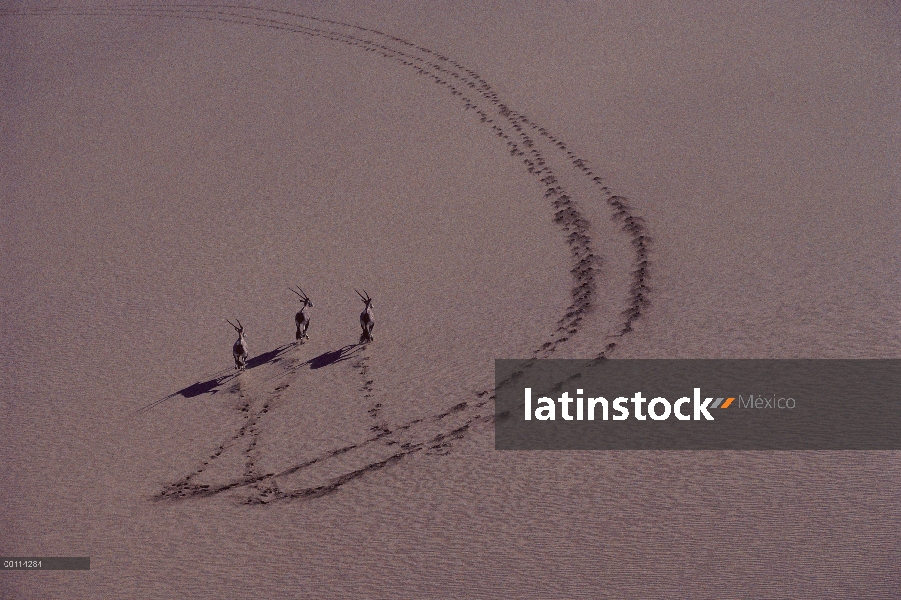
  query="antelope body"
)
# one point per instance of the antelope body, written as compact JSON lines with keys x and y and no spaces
{"x":367,"y":322}
{"x":301,"y":319}
{"x":239,"y":350}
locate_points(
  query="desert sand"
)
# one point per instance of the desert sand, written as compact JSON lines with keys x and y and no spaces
{"x":619,"y":179}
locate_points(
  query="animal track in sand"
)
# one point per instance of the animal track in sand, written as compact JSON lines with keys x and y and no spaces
{"x":524,"y":139}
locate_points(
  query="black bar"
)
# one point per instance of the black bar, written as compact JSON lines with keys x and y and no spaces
{"x":45,"y":563}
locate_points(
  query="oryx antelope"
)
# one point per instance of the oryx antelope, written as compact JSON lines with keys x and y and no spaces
{"x":301,"y":319}
{"x":366,"y":320}
{"x":239,"y":350}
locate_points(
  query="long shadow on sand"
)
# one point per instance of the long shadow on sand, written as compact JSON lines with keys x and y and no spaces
{"x":272,"y":356}
{"x":211,"y":386}
{"x":335,"y":356}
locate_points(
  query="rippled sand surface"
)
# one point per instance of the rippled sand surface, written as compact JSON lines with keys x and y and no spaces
{"x":505,"y":180}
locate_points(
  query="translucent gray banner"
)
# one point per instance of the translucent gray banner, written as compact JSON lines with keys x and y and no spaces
{"x":45,"y":563}
{"x":698,"y":405}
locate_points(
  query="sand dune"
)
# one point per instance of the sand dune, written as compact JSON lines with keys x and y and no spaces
{"x":506,"y":181}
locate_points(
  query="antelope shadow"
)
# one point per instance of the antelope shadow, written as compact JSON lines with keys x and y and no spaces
{"x":273,"y":356}
{"x":335,"y":356}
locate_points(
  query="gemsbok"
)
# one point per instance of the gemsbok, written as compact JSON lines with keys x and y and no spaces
{"x":239,"y":350}
{"x":366,"y":320}
{"x":301,"y":319}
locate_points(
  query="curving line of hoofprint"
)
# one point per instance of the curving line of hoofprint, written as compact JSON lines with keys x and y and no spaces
{"x":454,"y":76}
{"x":511,"y":126}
